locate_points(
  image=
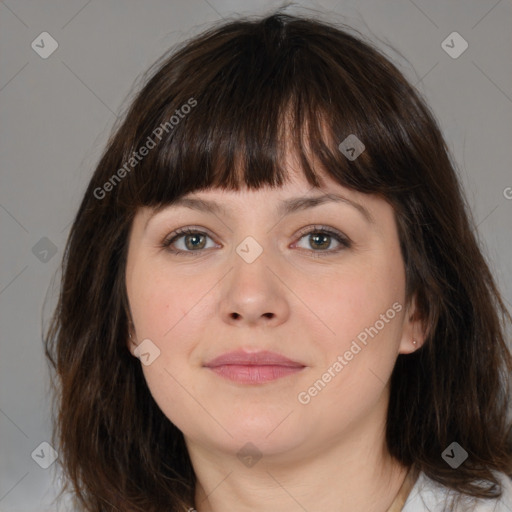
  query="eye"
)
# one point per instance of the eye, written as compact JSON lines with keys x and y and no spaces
{"x":191,"y":240}
{"x":321,"y":240}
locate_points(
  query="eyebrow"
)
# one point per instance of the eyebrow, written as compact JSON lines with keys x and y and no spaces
{"x":302,"y":203}
{"x":286,"y":207}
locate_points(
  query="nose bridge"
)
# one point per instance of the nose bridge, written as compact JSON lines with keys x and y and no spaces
{"x":252,"y":292}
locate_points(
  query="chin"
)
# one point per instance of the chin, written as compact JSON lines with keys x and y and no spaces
{"x":255,"y":436}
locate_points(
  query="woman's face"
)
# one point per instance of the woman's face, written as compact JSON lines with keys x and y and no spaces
{"x":264,"y":275}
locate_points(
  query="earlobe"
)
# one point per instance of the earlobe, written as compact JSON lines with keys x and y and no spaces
{"x":131,"y":343}
{"x":413,"y":334}
{"x":410,"y":346}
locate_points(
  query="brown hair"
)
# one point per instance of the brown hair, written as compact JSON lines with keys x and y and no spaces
{"x":251,"y":85}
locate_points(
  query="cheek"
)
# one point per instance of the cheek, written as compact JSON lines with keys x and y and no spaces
{"x":168,"y":313}
{"x":160,"y":299}
{"x":354,"y":300}
{"x":364,"y":310}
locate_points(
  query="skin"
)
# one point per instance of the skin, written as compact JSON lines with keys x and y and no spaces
{"x":330,"y":453}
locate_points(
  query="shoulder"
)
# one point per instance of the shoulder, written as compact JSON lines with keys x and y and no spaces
{"x":430,"y":496}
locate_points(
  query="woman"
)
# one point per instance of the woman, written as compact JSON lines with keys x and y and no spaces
{"x":273,"y":298}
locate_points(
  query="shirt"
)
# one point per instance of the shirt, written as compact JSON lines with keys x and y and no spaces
{"x":428,"y":495}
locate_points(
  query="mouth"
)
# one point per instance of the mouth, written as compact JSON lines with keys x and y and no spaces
{"x":253,"y":368}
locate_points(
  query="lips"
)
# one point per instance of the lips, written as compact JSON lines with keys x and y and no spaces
{"x":263,"y":358}
{"x":253,"y":368}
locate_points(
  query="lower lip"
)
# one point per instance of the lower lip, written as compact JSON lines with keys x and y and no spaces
{"x":254,"y":374}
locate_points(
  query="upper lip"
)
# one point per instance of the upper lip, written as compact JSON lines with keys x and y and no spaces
{"x":262,"y":358}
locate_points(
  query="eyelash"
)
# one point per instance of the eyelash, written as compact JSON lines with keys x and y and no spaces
{"x":339,"y":237}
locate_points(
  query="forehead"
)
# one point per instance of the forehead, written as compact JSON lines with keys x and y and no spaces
{"x":295,"y":196}
{"x":295,"y":186}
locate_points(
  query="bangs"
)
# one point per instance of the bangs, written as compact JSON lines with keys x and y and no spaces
{"x":233,"y":113}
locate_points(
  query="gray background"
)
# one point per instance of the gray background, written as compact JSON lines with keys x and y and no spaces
{"x":56,"y":114}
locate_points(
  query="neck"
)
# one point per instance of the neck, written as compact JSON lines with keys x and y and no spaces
{"x":356,"y":473}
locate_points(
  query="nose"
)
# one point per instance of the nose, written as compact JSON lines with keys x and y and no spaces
{"x":253,"y":294}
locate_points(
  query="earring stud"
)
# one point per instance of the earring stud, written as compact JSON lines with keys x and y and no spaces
{"x":414,"y":342}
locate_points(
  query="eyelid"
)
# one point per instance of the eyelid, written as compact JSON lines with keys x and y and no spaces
{"x":340,"y":237}
{"x":181,"y":232}
{"x":321,"y":229}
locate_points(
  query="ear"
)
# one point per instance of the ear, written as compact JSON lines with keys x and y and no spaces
{"x":413,"y":329}
{"x":130,"y":342}
{"x":131,"y":339}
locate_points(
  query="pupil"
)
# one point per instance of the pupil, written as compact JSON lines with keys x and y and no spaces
{"x":195,"y":237}
{"x":318,"y":237}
